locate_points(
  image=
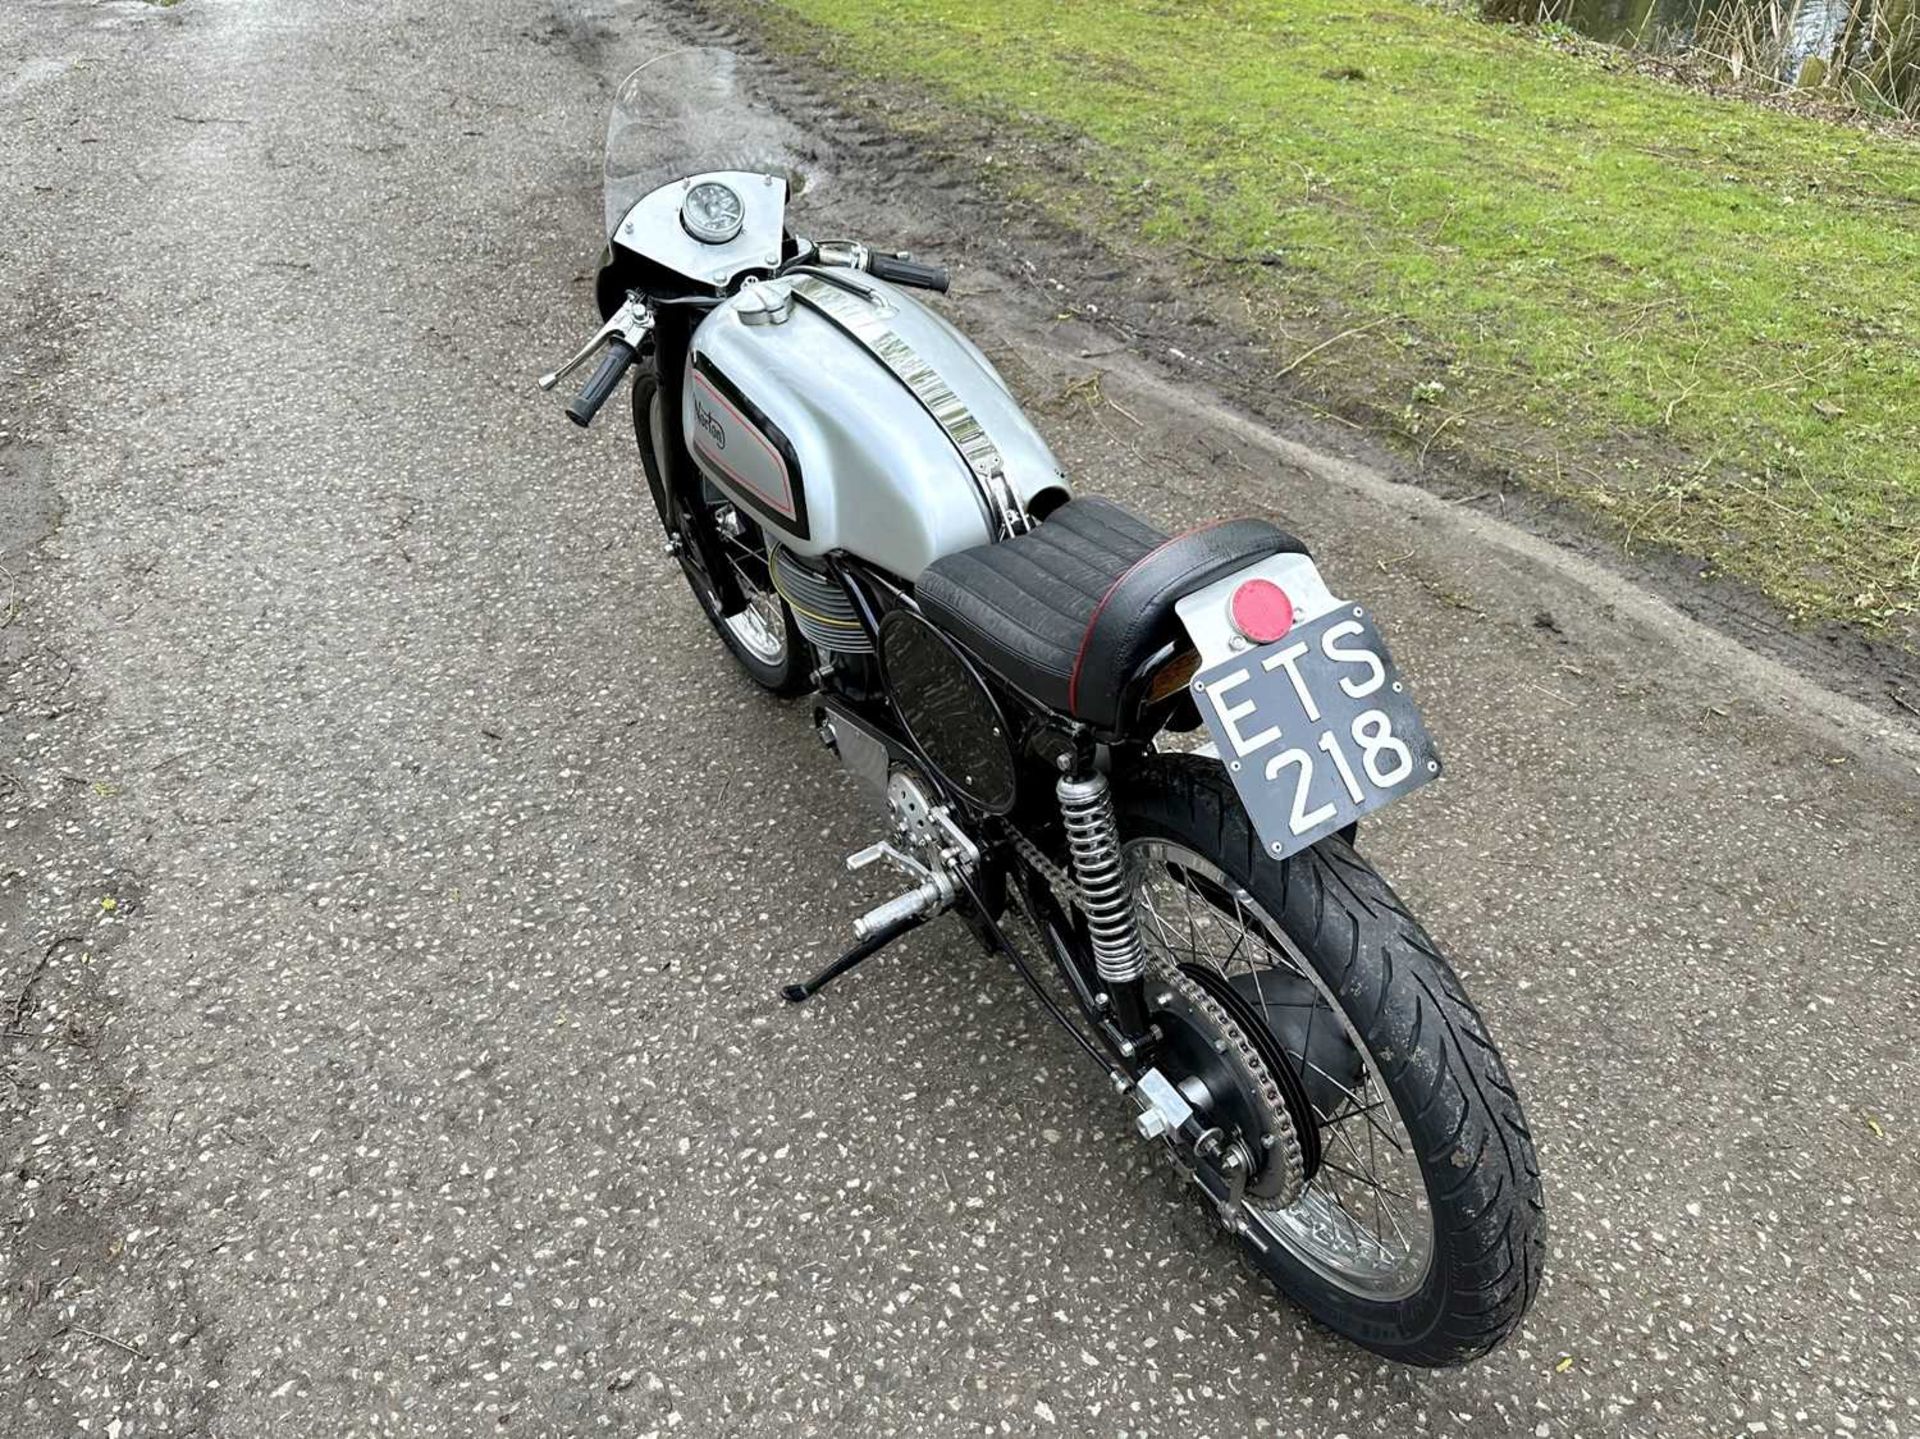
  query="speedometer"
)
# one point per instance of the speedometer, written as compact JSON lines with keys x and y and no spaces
{"x":712,"y":213}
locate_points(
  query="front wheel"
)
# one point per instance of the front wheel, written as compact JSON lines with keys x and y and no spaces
{"x":1401,"y":1206}
{"x":763,"y":637}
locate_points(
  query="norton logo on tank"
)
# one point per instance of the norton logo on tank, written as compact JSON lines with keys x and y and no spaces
{"x":752,"y":464}
{"x":710,"y":423}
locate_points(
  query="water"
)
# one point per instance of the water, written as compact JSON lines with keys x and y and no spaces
{"x":1621,"y":22}
{"x":1815,"y":25}
{"x":1771,"y":33}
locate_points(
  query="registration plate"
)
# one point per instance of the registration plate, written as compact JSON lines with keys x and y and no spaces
{"x":1316,"y":728}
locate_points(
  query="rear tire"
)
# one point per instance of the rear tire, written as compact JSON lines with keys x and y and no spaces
{"x":765,"y":640}
{"x":1427,"y":1047}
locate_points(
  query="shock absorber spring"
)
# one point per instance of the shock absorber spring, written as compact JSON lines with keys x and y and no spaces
{"x":1099,"y":871}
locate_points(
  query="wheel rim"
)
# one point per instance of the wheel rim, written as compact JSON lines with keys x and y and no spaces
{"x":761,"y":628}
{"x":755,"y":632}
{"x":1364,"y":1221}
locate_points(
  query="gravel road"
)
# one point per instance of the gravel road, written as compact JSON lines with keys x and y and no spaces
{"x":394,"y":884}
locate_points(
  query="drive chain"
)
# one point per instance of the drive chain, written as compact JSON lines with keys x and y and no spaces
{"x":1282,"y":1186}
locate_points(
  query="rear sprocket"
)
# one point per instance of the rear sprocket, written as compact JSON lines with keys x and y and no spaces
{"x":1207,"y":1037}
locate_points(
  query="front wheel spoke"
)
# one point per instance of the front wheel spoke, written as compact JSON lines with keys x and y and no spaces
{"x":1373,"y":1167}
{"x":1370,"y":1178}
{"x":1169,"y":942}
{"x":1239,"y":939}
{"x":1306,"y":1063}
{"x":1357,"y":1230}
{"x":1159,"y":923}
{"x":1259,"y":975}
{"x":1393,"y":1218}
{"x":1351,"y":1113}
{"x":1347,"y":1144}
{"x":1359,"y":1234}
{"x":1193,"y":939}
{"x":1373,"y":1125}
{"x":1277,"y":960}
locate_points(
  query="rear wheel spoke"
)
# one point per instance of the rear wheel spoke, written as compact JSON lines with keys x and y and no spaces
{"x":1363,"y":1217}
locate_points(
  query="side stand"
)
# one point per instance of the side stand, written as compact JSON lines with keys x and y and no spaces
{"x":859,"y":954}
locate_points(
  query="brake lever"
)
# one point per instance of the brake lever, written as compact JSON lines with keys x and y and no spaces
{"x":630,"y":322}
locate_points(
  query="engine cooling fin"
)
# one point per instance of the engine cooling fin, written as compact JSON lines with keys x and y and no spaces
{"x":821,"y":607}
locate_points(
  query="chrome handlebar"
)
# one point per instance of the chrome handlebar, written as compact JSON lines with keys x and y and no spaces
{"x":899,"y":268}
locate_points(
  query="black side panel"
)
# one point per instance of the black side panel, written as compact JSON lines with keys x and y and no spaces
{"x":950,"y":714}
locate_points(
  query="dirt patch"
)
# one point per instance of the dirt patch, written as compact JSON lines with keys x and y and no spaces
{"x":70,"y":1066}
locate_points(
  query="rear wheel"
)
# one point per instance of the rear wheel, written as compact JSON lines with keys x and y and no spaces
{"x":1414,"y":1222}
{"x":763,"y":637}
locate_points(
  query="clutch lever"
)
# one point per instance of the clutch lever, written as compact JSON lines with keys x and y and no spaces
{"x":630,"y":322}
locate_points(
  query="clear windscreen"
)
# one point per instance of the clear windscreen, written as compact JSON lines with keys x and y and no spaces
{"x":689,"y":112}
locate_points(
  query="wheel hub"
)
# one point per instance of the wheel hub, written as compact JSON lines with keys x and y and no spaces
{"x":1275,"y":1060}
{"x":1224,"y":1065}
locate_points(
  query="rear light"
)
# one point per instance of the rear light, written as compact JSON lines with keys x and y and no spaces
{"x":1171,"y":678}
{"x":1261,"y":611}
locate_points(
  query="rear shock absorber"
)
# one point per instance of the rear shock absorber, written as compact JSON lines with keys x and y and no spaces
{"x":1100,"y":874}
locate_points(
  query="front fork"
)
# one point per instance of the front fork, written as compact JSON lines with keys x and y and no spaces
{"x":689,"y":523}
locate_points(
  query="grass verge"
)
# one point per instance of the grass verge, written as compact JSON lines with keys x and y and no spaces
{"x":1697,"y":318}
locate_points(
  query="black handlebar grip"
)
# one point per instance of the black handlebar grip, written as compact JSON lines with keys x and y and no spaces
{"x":907,"y":272}
{"x":600,"y":388}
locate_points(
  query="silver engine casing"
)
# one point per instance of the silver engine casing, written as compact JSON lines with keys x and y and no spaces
{"x":811,"y":432}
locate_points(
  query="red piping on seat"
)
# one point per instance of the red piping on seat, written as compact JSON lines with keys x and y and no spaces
{"x":1080,"y":656}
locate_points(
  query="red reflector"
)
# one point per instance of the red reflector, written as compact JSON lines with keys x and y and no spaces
{"x":1261,"y":611}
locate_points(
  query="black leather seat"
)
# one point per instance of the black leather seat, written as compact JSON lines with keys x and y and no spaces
{"x":1067,"y":612}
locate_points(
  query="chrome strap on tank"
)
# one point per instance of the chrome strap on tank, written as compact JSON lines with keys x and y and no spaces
{"x":864,"y":320}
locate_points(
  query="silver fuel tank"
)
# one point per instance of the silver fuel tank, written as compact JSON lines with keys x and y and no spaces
{"x":835,"y":411}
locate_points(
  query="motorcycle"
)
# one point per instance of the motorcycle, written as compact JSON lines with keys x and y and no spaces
{"x":1007,"y":667}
